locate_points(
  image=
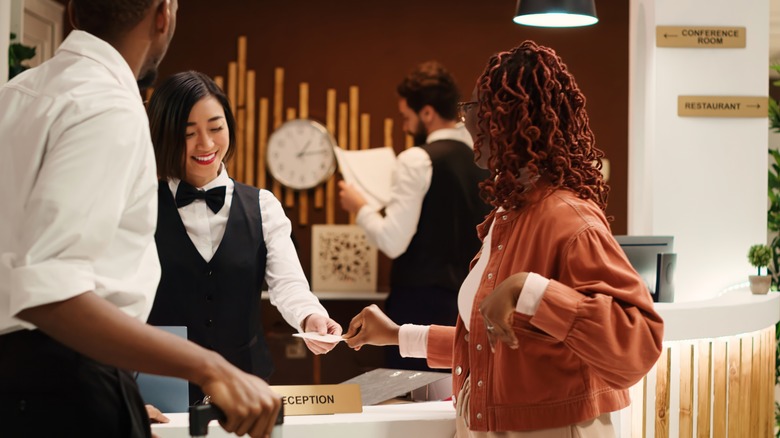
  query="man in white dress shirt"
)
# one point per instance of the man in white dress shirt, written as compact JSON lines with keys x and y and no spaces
{"x":429,"y":225}
{"x":78,"y":265}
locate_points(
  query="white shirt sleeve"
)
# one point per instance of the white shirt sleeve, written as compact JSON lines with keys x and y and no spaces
{"x":287,"y":284}
{"x":73,"y":212}
{"x":532,"y":293}
{"x":413,"y":340}
{"x":411,"y":181}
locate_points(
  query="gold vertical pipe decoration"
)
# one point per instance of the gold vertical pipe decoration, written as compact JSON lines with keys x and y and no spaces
{"x":756,"y":391}
{"x":241,"y":61}
{"x":251,"y":146}
{"x":662,"y":394}
{"x":330,"y":186}
{"x":770,"y":343}
{"x":733,"y":420}
{"x":303,"y":195}
{"x":232,"y":86}
{"x":278,"y":115}
{"x":239,"y":158}
{"x":388,"y":133}
{"x":289,"y":194}
{"x":719,"y":383}
{"x":262,"y":143}
{"x":344,"y":136}
{"x":220,"y":81}
{"x":409,"y":141}
{"x":686,"y":391}
{"x":365,"y":131}
{"x":353,"y":117}
{"x":704,"y":388}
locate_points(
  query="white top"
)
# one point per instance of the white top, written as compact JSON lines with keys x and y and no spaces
{"x":78,"y":184}
{"x":287,"y":285}
{"x":413,"y":339}
{"x":393,"y":233}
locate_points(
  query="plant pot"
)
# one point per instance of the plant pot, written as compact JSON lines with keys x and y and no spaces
{"x":759,"y":284}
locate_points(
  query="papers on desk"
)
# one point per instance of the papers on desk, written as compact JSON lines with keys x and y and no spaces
{"x":370,"y":171}
{"x":331,"y":339}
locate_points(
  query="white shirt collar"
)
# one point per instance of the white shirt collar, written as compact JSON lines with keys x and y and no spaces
{"x":222,"y":179}
{"x":458,"y":133}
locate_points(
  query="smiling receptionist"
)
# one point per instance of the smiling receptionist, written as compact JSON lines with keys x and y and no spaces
{"x":219,"y":239}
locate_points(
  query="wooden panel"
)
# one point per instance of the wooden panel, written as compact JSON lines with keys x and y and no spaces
{"x":719,"y":381}
{"x":638,"y":394}
{"x":756,"y":399}
{"x":409,"y":141}
{"x":344,"y":134}
{"x":220,"y":81}
{"x":745,"y":377}
{"x":769,"y":357}
{"x":733,"y":421}
{"x":686,"y":391}
{"x":662,"y":394}
{"x":231,"y":95}
{"x":239,"y":158}
{"x":704,"y":388}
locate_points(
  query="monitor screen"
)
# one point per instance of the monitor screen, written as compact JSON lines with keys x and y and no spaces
{"x":642,"y":252}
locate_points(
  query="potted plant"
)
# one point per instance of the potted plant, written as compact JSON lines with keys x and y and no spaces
{"x":759,"y":256}
{"x":18,"y":53}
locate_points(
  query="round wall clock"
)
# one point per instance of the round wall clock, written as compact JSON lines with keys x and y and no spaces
{"x":300,"y":154}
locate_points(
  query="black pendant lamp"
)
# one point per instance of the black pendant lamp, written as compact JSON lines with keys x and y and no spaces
{"x":556,"y":13}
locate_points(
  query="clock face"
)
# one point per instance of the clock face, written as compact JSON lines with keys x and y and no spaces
{"x":300,"y":154}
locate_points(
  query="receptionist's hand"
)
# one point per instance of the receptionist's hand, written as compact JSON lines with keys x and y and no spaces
{"x":371,"y":326}
{"x":498,"y":309}
{"x":155,"y":416}
{"x":324,"y":326}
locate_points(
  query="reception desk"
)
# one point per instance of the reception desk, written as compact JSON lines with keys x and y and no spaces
{"x":715,"y":378}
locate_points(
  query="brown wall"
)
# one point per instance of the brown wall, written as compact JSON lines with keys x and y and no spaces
{"x":371,"y":44}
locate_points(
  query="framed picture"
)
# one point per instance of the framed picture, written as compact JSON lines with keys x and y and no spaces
{"x":342,"y":259}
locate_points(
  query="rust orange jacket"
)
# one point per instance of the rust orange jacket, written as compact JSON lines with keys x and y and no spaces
{"x":594,"y":334}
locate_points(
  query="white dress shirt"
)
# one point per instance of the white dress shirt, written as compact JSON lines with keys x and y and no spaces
{"x":393,"y":233}
{"x":78,"y":184}
{"x":287,"y":284}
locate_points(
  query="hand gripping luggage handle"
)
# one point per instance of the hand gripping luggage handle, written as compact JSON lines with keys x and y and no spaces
{"x":201,"y":416}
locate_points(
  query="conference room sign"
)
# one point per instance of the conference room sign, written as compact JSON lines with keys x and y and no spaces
{"x":700,"y":37}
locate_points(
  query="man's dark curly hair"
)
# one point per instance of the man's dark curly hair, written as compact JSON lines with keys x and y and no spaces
{"x":431,"y":84}
{"x":532,"y":114}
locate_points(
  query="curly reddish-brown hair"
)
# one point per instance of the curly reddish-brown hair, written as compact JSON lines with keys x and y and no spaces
{"x":532,"y":116}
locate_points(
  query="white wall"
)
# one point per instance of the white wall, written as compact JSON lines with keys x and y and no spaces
{"x":5,"y":31}
{"x":702,"y":180}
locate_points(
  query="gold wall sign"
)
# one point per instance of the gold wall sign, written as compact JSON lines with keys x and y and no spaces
{"x":710,"y":37}
{"x":722,"y":106}
{"x":320,"y":399}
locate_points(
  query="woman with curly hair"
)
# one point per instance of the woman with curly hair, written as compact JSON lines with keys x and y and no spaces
{"x":554,"y":324}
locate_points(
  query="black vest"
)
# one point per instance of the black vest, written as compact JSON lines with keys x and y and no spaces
{"x":446,"y":238}
{"x":218,"y":301}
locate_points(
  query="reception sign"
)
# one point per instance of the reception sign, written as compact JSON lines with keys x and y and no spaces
{"x":320,"y":399}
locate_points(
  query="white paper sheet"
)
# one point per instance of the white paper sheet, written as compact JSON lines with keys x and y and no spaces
{"x":370,"y":171}
{"x":332,"y":339}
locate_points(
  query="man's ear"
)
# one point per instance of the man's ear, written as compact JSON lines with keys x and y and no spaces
{"x":72,"y":15}
{"x":163,"y":16}
{"x":426,"y":114}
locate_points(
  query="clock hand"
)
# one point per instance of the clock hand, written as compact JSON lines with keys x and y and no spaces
{"x":321,"y":151}
{"x":306,"y":146}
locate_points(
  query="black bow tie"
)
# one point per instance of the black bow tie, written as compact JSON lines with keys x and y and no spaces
{"x":186,"y":194}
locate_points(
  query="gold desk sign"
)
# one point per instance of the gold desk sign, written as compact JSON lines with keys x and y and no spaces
{"x":710,"y":37}
{"x":722,"y":106}
{"x":320,"y":399}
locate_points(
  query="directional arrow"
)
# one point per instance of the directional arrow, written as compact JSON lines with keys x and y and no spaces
{"x":754,"y":106}
{"x":666,"y":35}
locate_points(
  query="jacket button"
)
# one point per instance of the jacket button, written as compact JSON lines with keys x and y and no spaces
{"x":466,"y":337}
{"x":458,"y":370}
{"x":500,"y":247}
{"x":480,"y":383}
{"x":209,"y":297}
{"x":503,"y":217}
{"x":209,"y":273}
{"x":479,"y":415}
{"x":490,"y":275}
{"x":209,"y":322}
{"x":479,"y":347}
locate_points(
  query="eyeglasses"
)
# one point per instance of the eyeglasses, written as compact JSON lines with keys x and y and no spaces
{"x":463,"y":108}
